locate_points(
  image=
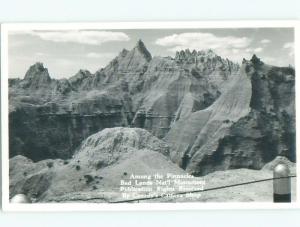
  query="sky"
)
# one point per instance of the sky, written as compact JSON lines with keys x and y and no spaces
{"x":65,"y":52}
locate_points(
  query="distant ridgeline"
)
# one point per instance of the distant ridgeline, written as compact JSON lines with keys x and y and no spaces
{"x":213,"y":113}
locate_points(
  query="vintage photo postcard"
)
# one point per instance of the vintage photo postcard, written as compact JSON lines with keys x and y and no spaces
{"x":149,"y":116}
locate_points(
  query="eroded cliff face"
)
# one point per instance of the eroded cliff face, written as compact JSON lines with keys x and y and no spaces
{"x":49,"y":118}
{"x":249,"y":125}
{"x":174,"y":88}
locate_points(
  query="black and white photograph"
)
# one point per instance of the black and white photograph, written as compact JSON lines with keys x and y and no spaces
{"x":171,"y":114}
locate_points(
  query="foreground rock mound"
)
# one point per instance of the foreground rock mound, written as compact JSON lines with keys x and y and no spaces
{"x":115,"y":144}
{"x":102,"y":160}
{"x":46,"y":181}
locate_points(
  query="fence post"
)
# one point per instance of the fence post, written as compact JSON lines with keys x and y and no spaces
{"x":281,"y":184}
{"x":20,"y":198}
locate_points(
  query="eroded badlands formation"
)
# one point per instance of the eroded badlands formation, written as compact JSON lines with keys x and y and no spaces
{"x":196,"y":112}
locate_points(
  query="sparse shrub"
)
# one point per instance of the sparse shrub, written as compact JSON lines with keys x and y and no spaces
{"x":66,"y":162}
{"x":50,"y":164}
{"x":77,"y":167}
{"x":94,"y":187}
{"x":25,"y":174}
{"x":125,"y":173}
{"x":100,"y":164}
{"x":88,"y":178}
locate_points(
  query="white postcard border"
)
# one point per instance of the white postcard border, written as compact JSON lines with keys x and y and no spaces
{"x":135,"y":25}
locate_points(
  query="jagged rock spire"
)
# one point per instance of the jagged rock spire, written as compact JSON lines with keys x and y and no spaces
{"x":186,"y":54}
{"x":37,"y":75}
{"x":134,"y":60}
{"x":35,"y":70}
{"x":140,"y":46}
